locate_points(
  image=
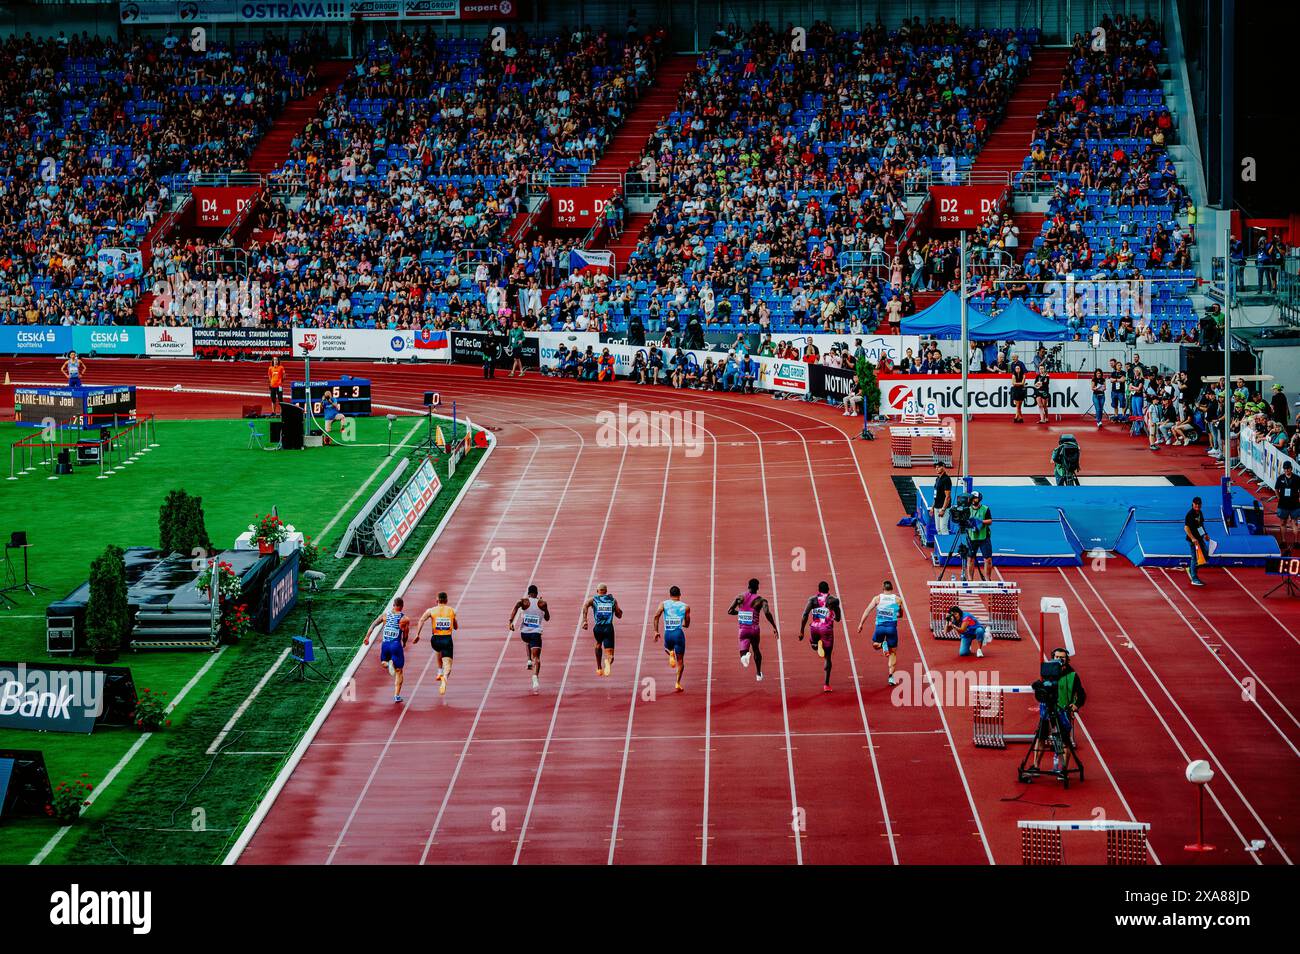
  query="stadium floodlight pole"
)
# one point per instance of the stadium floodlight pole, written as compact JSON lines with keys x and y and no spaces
{"x":1227,"y":345}
{"x":965,"y":369}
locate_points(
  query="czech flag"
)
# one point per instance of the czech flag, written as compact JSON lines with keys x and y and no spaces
{"x":430,"y":340}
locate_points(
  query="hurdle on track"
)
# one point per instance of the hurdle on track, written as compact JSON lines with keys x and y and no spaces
{"x":1041,"y":842}
{"x":988,"y":715}
{"x":996,"y":603}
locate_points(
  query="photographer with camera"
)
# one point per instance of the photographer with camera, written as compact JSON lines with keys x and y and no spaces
{"x":969,"y":630}
{"x":1060,"y":694}
{"x":981,"y":542}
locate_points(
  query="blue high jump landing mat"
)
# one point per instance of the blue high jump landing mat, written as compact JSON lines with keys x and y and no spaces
{"x":1139,"y":518}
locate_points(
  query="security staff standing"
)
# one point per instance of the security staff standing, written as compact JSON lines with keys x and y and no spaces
{"x":1288,"y":504}
{"x":1018,"y":372}
{"x":1197,"y":545}
{"x":942,"y":498}
{"x":981,"y":539}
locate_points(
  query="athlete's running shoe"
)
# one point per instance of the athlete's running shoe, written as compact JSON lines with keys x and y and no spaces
{"x":599,"y":671}
{"x":672,"y":659}
{"x":609,"y":667}
{"x":536,"y":685}
{"x":744,"y":659}
{"x":391,"y":670}
{"x":821,"y":650}
{"x":891,"y":680}
{"x":397,"y":699}
{"x":678,"y":688}
{"x":826,"y":688}
{"x":759,"y":677}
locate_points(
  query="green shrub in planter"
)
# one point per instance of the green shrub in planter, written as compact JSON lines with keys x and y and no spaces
{"x":181,"y":527}
{"x":108,"y":618}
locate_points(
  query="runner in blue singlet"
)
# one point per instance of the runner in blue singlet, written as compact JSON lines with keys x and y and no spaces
{"x":606,"y":610}
{"x":889,"y":607}
{"x":676,"y":617}
{"x":392,"y":654}
{"x":534,"y":614}
{"x":72,"y":369}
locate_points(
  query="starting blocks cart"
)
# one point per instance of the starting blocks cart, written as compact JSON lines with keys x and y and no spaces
{"x":1042,"y":842}
{"x":995,"y":603}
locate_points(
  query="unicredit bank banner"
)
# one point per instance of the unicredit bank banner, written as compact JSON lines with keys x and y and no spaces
{"x":989,"y":394}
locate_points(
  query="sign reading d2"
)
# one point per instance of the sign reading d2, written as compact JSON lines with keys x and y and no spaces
{"x":578,"y":207}
{"x":963,"y":207}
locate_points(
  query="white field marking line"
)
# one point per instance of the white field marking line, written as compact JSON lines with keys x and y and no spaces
{"x":640,"y":658}
{"x":846,"y":629}
{"x":708,"y":680}
{"x":505,"y":645}
{"x":1232,"y":576}
{"x":1219,"y":659}
{"x":925,"y":663}
{"x":369,"y":480}
{"x":1078,"y":720}
{"x":348,"y":572}
{"x":248,"y":701}
{"x":780,"y":659}
{"x":401,"y":716}
{"x":127,"y":756}
{"x":358,"y":656}
{"x":1177,"y":708}
{"x":568,"y":663}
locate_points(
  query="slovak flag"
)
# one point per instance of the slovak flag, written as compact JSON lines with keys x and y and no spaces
{"x":430,"y":340}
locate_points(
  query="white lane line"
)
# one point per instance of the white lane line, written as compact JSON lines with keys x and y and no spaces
{"x":347,"y":571}
{"x":853,"y":667}
{"x":568,"y":664}
{"x":640,"y":658}
{"x":248,"y":701}
{"x":505,"y":645}
{"x":795,"y":820}
{"x":127,"y":756}
{"x":708,"y":685}
{"x":1286,"y":629}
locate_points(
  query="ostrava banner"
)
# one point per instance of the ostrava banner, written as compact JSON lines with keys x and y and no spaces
{"x":989,"y":394}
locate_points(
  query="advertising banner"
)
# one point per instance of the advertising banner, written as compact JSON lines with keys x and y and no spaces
{"x":826,"y":382}
{"x":41,"y":697}
{"x":353,"y":343}
{"x":35,"y":339}
{"x":399,"y":520}
{"x":1260,"y":457}
{"x":578,"y":207}
{"x":146,"y":12}
{"x":228,"y":342}
{"x":108,"y":339}
{"x":169,"y":342}
{"x":469,"y":347}
{"x":989,"y":394}
{"x":219,"y":206}
{"x":281,"y":594}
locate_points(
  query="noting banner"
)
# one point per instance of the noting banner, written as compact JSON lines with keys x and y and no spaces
{"x":166,"y":341}
{"x":989,"y":394}
{"x":578,"y":207}
{"x":219,"y":206}
{"x":826,"y":382}
{"x":229,"y":342}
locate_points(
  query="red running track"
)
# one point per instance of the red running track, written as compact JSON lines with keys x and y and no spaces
{"x":621,"y":769}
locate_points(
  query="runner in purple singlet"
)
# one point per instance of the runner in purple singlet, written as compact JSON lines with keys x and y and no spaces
{"x":746,"y":607}
{"x":825,"y":612}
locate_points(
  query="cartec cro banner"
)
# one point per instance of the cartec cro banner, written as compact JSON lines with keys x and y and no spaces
{"x":989,"y":394}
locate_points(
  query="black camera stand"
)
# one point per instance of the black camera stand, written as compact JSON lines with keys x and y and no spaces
{"x":1059,"y":743}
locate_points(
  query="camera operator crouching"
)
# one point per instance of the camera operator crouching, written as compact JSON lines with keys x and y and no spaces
{"x":1060,"y":695}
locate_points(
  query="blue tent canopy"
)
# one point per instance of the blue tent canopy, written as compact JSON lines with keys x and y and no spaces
{"x":1018,"y":322}
{"x":943,"y":318}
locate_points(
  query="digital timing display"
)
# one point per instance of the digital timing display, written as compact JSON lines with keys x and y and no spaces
{"x":351,"y":395}
{"x":1282,"y":566}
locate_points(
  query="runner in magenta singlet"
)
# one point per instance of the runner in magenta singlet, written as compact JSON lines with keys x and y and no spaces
{"x":824,"y":611}
{"x":747,"y":607}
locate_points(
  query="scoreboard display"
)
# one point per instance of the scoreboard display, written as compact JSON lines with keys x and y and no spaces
{"x":351,"y":395}
{"x":1282,"y":566}
{"x":74,"y":407}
